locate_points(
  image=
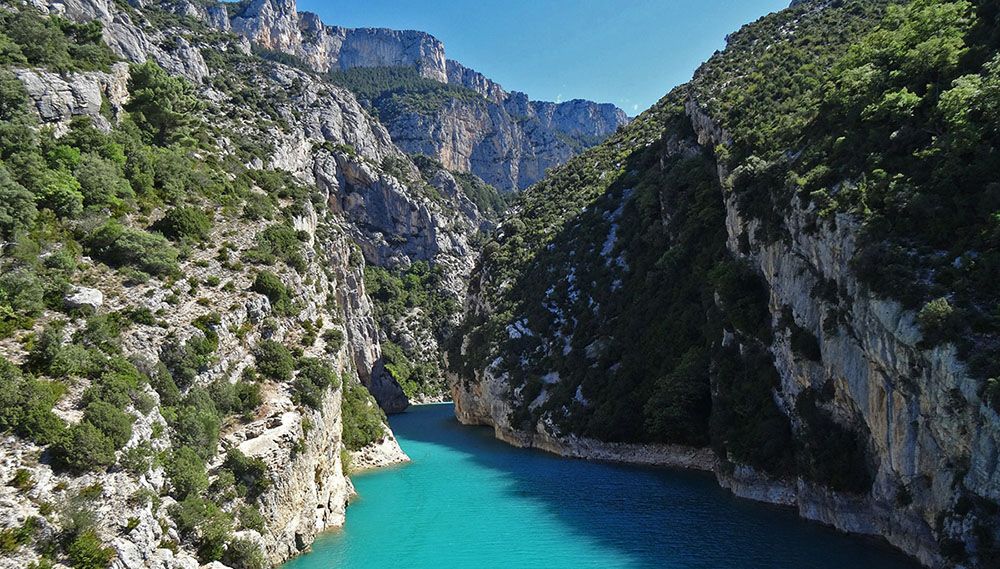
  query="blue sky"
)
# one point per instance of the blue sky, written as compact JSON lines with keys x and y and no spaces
{"x":627,"y":52}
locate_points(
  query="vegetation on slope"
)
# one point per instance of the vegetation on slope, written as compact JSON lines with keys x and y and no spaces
{"x":140,"y":200}
{"x":613,"y":271}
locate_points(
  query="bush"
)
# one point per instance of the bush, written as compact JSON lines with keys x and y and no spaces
{"x":185,"y":360}
{"x":197,"y":424}
{"x":278,"y":242}
{"x":314,"y":377}
{"x":22,"y":480}
{"x":268,"y":284}
{"x":250,"y":473}
{"x":119,"y":246}
{"x":235,"y":398}
{"x":60,"y":192}
{"x":251,"y":518}
{"x":17,"y":206}
{"x":83,"y":448}
{"x":186,"y":472}
{"x":244,"y":554}
{"x":274,"y":361}
{"x":101,"y":182}
{"x":163,"y":107}
{"x":185,"y":223}
{"x":87,"y":551}
{"x":363,"y":418}
{"x":110,"y":420}
{"x":26,"y":405}
{"x":938,"y":321}
{"x":204,"y":524}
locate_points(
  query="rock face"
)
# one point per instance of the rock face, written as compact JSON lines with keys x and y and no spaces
{"x":504,"y":138}
{"x":57,"y":98}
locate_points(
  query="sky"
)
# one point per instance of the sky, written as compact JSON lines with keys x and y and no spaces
{"x":626,"y":52}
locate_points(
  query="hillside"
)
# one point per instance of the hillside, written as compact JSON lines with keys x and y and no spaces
{"x":791,"y":261}
{"x":190,"y":362}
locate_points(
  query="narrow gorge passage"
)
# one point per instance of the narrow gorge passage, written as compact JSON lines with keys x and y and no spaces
{"x":469,"y":500}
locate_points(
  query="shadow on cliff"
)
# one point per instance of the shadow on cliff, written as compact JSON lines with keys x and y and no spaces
{"x":650,"y":517}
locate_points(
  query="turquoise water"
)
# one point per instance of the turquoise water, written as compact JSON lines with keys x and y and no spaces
{"x":468,"y":500}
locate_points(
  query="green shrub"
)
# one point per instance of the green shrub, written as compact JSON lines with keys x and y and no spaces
{"x":197,"y":423}
{"x":84,"y":448}
{"x":186,"y":472}
{"x":334,"y":338}
{"x":278,"y":242}
{"x":120,"y":246}
{"x":87,"y":551}
{"x":244,"y":554}
{"x":938,"y":321}
{"x":268,"y":284}
{"x":26,"y":405}
{"x":241,"y":398}
{"x":251,"y":518}
{"x":185,"y":223}
{"x":53,"y":42}
{"x":312,"y":381}
{"x":17,"y":203}
{"x":274,"y":361}
{"x":186,"y":360}
{"x":163,"y":107}
{"x":250,"y":473}
{"x":102,"y":183}
{"x":22,"y":480}
{"x":115,"y":423}
{"x":363,"y":419}
{"x":60,"y":192}
{"x":205,"y":525}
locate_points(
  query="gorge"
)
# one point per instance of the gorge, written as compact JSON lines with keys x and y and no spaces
{"x":237,"y":243}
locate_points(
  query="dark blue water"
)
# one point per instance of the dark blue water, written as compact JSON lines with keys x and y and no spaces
{"x":468,"y":500}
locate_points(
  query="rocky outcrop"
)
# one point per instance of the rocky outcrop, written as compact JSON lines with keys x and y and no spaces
{"x":278,"y":26}
{"x":130,"y":39}
{"x":58,"y":98}
{"x":510,"y":142}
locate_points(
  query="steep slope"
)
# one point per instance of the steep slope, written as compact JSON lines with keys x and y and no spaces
{"x":188,"y":353}
{"x":430,"y":105}
{"x":763,"y":276}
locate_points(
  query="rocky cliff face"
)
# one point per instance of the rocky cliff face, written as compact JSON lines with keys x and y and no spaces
{"x":367,"y":204}
{"x":505,"y":139}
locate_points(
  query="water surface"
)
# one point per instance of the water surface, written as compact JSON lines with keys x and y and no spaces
{"x":468,"y":500}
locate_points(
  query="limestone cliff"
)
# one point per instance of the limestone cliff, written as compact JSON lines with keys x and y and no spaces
{"x":356,"y":199}
{"x":504,"y":138}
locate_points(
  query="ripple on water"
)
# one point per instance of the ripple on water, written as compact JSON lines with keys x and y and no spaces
{"x":468,"y":500}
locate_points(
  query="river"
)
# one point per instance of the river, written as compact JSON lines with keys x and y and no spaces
{"x":470,"y":501}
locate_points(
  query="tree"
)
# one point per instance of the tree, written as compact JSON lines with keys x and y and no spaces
{"x":17,"y":207}
{"x":182,"y":223}
{"x":186,"y":472}
{"x":118,"y":245}
{"x":115,"y":423}
{"x":163,"y":107}
{"x":274,"y":361}
{"x":84,"y":448}
{"x":205,"y":524}
{"x":101,"y":182}
{"x":60,"y":192}
{"x":87,"y":551}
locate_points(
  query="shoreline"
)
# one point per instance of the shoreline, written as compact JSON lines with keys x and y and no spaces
{"x":845,"y":513}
